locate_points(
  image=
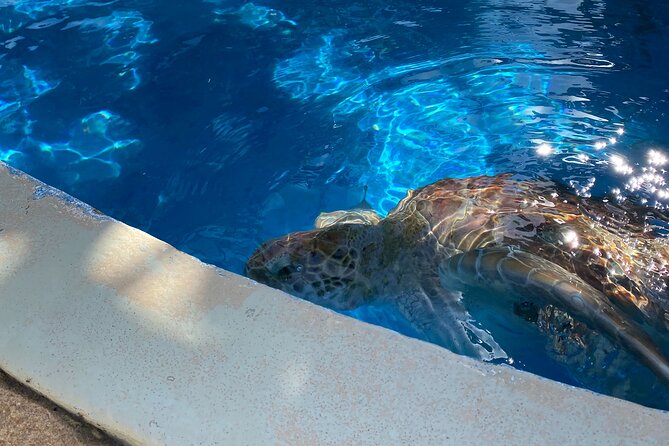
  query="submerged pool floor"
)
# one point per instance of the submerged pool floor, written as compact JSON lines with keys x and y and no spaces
{"x":224,"y":123}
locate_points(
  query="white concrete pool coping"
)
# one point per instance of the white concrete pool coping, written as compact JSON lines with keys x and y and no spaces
{"x":155,"y":347}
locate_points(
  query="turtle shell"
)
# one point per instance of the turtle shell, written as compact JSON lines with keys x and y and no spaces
{"x":608,"y":246}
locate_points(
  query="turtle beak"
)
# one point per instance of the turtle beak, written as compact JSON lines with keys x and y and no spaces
{"x":260,"y":275}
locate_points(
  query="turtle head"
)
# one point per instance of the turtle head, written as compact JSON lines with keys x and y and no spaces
{"x":323,"y":266}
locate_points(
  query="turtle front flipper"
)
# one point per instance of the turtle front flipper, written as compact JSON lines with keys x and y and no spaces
{"x":521,"y":272}
{"x":439,"y":316}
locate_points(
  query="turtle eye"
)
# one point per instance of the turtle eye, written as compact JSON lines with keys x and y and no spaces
{"x":284,"y":273}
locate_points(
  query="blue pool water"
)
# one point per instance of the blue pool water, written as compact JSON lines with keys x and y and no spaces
{"x":220,"y":124}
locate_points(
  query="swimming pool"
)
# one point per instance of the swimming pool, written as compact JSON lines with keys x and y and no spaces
{"x":220,"y":125}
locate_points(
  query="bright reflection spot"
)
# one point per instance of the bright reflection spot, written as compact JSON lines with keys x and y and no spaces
{"x":600,"y":145}
{"x":544,"y":149}
{"x":620,"y":131}
{"x":618,"y":194}
{"x":613,"y":140}
{"x":582,"y":188}
{"x":647,"y":182}
{"x":656,"y":158}
{"x":620,"y":165}
{"x":571,"y":239}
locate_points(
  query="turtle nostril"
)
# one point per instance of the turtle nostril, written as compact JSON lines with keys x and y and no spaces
{"x":284,"y":273}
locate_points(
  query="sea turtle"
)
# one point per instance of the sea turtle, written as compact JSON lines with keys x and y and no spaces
{"x":524,"y":244}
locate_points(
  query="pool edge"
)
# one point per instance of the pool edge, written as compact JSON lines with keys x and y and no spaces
{"x":155,"y":347}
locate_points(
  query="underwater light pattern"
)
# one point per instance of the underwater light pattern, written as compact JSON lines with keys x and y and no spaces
{"x":36,"y":14}
{"x":256,"y":16}
{"x":328,"y":68}
{"x":419,"y":132}
{"x":446,"y":117}
{"x":96,"y":146}
{"x":19,"y":87}
{"x":123,"y":33}
{"x":37,"y":8}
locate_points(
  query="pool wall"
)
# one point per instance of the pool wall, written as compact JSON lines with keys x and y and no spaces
{"x":156,"y":347}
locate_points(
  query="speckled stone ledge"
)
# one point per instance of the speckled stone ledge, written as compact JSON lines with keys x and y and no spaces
{"x":155,"y":347}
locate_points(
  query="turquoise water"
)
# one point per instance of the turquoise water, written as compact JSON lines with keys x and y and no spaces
{"x":224,"y":123}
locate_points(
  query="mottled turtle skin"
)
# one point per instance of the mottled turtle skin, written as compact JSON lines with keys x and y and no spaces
{"x":524,"y":244}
